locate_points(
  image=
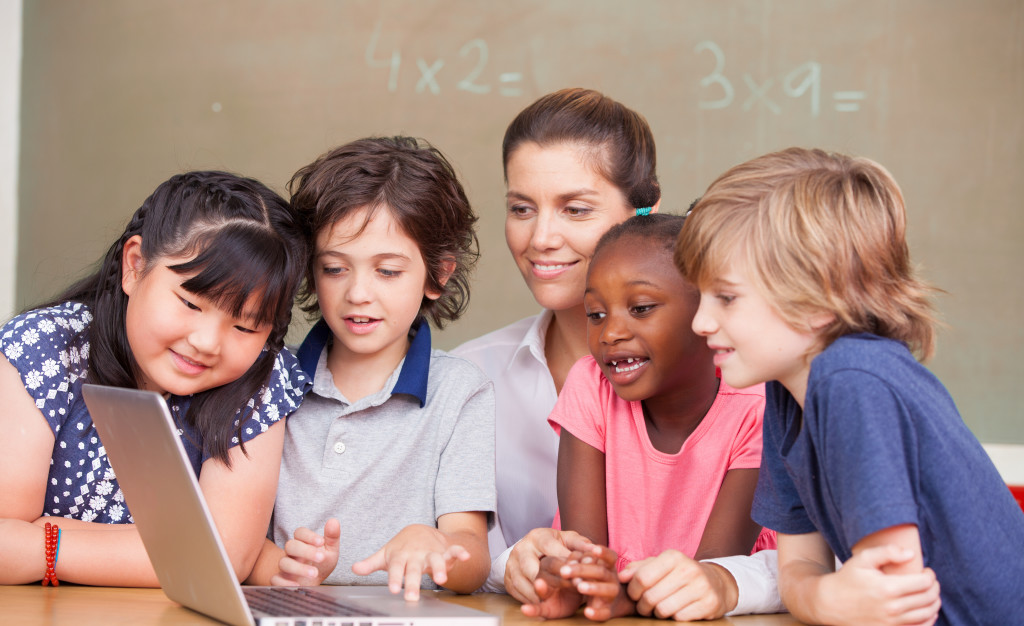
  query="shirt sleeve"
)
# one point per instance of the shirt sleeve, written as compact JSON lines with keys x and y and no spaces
{"x":747,"y":444}
{"x":50,"y":350}
{"x":869,"y":452}
{"x":277,"y":399}
{"x":578,"y":408}
{"x":465,"y":475}
{"x":757,"y":582}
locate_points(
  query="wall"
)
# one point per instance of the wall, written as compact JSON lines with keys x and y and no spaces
{"x":119,"y":95}
{"x":10,"y":93}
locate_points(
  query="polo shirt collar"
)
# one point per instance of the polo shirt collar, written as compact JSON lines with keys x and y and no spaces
{"x":412,"y":380}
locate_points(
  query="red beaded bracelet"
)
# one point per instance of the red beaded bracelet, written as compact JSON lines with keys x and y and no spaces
{"x":51,"y":534}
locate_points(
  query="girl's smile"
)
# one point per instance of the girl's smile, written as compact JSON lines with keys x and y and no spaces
{"x":183,"y":343}
{"x":639,"y":307}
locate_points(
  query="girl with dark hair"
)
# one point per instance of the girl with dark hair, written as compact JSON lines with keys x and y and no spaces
{"x":192,"y":301}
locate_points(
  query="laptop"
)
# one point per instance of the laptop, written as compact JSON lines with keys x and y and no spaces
{"x":163,"y":495}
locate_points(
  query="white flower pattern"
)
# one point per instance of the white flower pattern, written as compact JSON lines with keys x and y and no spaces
{"x":50,"y":349}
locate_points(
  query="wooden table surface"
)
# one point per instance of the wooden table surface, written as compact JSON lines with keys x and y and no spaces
{"x":73,"y":604}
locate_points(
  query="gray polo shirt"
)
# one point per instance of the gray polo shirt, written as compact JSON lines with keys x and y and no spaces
{"x":391,"y":459}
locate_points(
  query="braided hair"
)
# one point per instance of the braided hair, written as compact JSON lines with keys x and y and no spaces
{"x":242,"y":241}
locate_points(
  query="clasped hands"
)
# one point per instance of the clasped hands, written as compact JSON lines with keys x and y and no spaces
{"x":553,"y":572}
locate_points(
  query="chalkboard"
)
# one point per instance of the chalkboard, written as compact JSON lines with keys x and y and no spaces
{"x":119,"y":94}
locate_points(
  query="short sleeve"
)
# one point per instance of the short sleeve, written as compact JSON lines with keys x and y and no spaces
{"x":748,"y":415}
{"x":276,"y":400}
{"x":869,"y":447}
{"x":578,"y":408}
{"x":50,"y":349}
{"x":465,"y":474}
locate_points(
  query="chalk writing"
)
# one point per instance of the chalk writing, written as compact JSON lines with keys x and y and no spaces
{"x":803,"y":80}
{"x":431,"y":77}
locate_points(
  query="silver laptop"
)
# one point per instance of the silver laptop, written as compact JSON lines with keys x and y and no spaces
{"x":163,"y":495}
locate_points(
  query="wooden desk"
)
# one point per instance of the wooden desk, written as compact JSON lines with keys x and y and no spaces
{"x":67,"y":604}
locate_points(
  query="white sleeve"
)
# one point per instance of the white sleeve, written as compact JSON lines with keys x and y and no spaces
{"x":757,"y":579}
{"x":496,"y":577}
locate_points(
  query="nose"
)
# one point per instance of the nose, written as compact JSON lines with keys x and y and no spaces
{"x":614,"y":330}
{"x":547,"y":233}
{"x":703,"y":323}
{"x":205,"y":335}
{"x":358,"y":289}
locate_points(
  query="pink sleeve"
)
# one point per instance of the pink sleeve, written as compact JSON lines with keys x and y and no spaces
{"x":746,"y":449}
{"x":578,"y":408}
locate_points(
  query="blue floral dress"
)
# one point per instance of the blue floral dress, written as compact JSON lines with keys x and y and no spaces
{"x":50,"y":349}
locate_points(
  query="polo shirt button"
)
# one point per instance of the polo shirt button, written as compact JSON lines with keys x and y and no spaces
{"x":339,"y":447}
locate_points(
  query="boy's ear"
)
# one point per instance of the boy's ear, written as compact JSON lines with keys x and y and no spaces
{"x":820,"y":320}
{"x":654,"y":209}
{"x":447,"y":269}
{"x":132,"y":264}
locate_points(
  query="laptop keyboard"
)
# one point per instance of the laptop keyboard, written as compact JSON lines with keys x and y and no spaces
{"x":296,"y":601}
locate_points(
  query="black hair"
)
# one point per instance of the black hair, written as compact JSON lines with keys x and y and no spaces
{"x":657,"y":229}
{"x":244,"y":242}
{"x":415,"y":182}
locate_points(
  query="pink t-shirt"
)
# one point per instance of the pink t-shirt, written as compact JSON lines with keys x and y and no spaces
{"x":658,"y":501}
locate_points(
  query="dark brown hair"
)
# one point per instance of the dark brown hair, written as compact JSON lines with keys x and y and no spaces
{"x":416,"y":183}
{"x":618,"y":137}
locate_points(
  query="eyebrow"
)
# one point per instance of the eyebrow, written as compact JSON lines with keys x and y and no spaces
{"x":382,"y":256}
{"x":636,"y":281}
{"x":562,"y":197}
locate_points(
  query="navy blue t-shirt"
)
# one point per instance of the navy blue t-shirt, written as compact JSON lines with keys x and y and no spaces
{"x":880,"y":443}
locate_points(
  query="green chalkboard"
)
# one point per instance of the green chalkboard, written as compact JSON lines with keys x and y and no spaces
{"x":117,"y":95}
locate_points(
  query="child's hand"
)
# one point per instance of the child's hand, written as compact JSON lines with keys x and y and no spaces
{"x":416,"y":550}
{"x":860,"y":593}
{"x":594,"y":577}
{"x":672,"y":585}
{"x":310,"y":557}
{"x":524,"y":562}
{"x":557,"y":595}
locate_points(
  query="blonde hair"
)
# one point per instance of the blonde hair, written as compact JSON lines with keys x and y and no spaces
{"x":817,"y":233}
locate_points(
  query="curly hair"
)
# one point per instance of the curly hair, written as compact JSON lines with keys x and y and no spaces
{"x":416,"y":183}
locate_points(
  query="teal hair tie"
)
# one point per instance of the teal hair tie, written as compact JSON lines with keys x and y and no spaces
{"x":644,"y":211}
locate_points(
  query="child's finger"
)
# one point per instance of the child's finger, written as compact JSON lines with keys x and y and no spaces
{"x":297,"y":569}
{"x":396,"y":572}
{"x":437,"y":565}
{"x":413,"y":577}
{"x":306,"y":535}
{"x":605,"y":589}
{"x":301,"y":551}
{"x":376,"y":561}
{"x":277,"y":580}
{"x":332,"y":534}
{"x":456,"y":552}
{"x":587,"y":571}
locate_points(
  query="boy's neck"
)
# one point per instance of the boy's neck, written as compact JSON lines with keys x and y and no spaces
{"x":671,"y":418}
{"x":360,"y":375}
